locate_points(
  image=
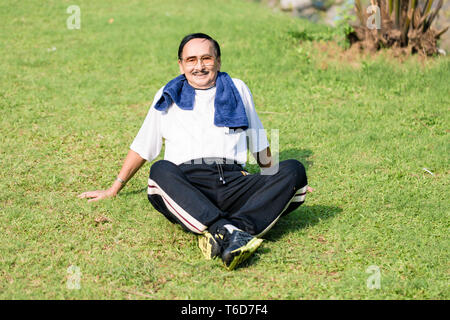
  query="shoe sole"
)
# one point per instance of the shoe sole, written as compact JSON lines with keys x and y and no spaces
{"x":206,"y":244}
{"x":243,"y":253}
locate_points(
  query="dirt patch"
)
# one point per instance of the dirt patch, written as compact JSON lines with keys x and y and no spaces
{"x":330,"y":53}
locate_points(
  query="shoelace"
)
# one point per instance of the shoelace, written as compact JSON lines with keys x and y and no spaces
{"x":241,"y":238}
{"x":223,"y":238}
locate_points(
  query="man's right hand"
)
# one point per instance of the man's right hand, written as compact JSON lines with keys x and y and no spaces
{"x":97,"y":195}
{"x":132,"y":163}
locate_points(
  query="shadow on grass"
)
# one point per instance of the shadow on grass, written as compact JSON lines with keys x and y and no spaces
{"x":131,"y":192}
{"x":303,"y":217}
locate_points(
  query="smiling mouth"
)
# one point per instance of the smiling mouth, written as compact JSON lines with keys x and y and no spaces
{"x":200,"y":74}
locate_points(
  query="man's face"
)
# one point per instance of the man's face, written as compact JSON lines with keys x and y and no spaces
{"x":199,"y":63}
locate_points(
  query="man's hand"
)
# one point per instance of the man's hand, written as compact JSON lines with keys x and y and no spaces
{"x":97,"y":195}
{"x":132,"y":163}
{"x":310,"y":189}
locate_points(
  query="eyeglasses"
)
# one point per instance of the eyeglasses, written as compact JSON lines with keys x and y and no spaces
{"x":205,"y":60}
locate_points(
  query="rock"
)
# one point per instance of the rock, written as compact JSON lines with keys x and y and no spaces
{"x":309,"y":13}
{"x":332,"y":16}
{"x":340,"y":12}
{"x":291,"y":5}
{"x":320,"y":4}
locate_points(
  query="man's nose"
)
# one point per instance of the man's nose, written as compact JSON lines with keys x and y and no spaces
{"x":199,"y":63}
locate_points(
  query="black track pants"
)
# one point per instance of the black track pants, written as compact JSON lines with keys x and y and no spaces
{"x":196,"y":197}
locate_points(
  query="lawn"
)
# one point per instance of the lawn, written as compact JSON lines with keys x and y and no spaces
{"x":372,"y":131}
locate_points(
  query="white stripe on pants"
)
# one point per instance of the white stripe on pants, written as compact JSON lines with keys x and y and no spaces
{"x":190,"y":222}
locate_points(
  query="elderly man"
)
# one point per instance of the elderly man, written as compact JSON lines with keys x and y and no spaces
{"x":205,"y":118}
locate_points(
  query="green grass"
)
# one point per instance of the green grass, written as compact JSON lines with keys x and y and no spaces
{"x":365,"y":133}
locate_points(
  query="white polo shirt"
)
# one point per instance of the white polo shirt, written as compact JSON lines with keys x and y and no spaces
{"x":191,"y":134}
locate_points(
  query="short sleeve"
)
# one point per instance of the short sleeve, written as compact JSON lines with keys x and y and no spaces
{"x":257,"y":137}
{"x":148,"y":142}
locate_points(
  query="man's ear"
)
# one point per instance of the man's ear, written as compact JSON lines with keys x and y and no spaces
{"x":219,"y":64}
{"x":181,"y":66}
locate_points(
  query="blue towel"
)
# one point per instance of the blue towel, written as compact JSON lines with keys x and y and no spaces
{"x":229,"y":110}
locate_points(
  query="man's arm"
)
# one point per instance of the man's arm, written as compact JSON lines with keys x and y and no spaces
{"x":264,"y":159}
{"x":133,"y":162}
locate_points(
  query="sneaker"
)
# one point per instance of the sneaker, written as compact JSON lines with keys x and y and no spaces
{"x":238,"y":247}
{"x":209,"y":245}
